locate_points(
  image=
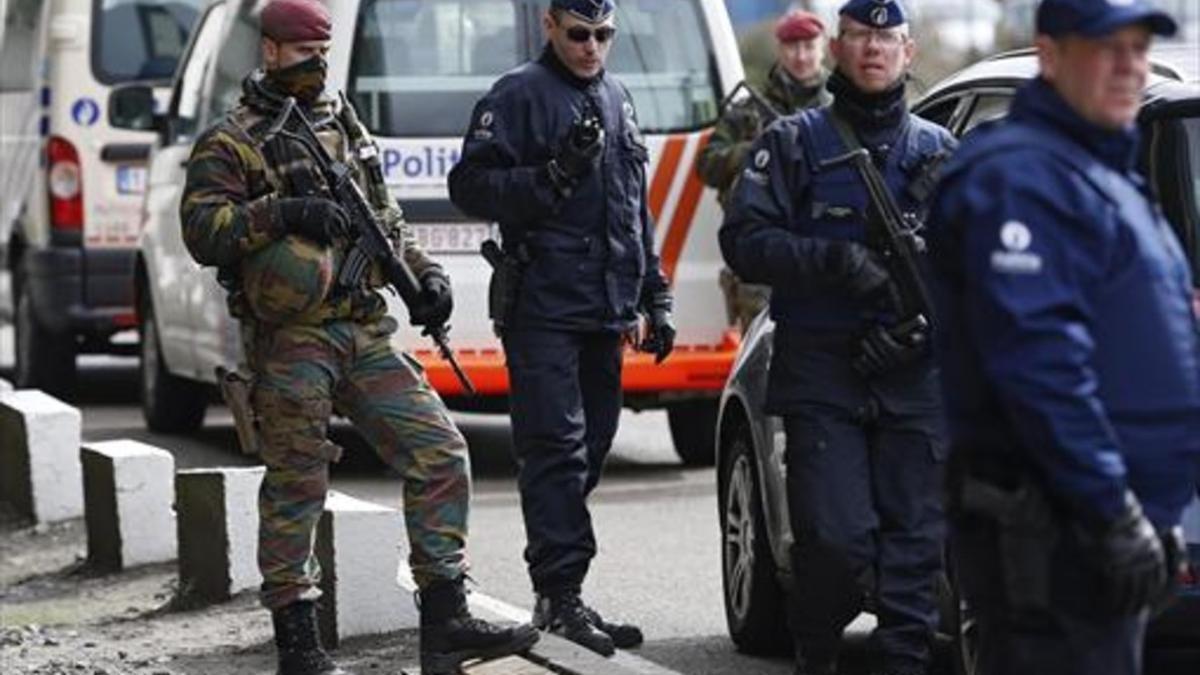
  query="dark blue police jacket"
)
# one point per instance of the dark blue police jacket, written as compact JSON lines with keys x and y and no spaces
{"x":591,"y":254}
{"x":786,"y":208}
{"x":1065,"y":304}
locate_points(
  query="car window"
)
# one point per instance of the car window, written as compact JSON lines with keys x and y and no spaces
{"x":17,"y":44}
{"x":941,"y":112}
{"x":1191,"y":129}
{"x":418,"y":66}
{"x":186,"y":102}
{"x":140,"y":39}
{"x":988,"y":107}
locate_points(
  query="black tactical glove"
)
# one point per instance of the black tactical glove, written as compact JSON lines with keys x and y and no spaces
{"x":660,"y":330}
{"x":885,"y":348}
{"x":1132,"y":562}
{"x":579,"y":155}
{"x":436,"y":301}
{"x":315,"y":218}
{"x":857,"y":268}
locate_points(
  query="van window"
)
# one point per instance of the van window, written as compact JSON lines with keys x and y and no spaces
{"x":16,"y":45}
{"x":240,"y":54}
{"x":672,"y":80}
{"x":140,"y":39}
{"x":419,"y":66}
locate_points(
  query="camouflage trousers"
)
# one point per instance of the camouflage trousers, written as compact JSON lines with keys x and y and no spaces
{"x":743,"y":301}
{"x":303,"y":374}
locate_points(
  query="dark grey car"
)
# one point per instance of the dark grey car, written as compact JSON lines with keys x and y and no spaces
{"x":755,"y":532}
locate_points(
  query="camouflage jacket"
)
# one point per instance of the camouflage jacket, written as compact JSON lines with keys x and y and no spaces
{"x":227,"y":209}
{"x":721,"y":160}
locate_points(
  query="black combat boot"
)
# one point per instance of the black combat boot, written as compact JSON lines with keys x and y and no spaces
{"x":298,"y":644}
{"x":624,"y":635}
{"x":564,"y":614}
{"x":450,"y":635}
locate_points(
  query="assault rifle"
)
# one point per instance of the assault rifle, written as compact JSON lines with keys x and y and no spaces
{"x":371,"y":244}
{"x":764,"y":106}
{"x":893,"y":234}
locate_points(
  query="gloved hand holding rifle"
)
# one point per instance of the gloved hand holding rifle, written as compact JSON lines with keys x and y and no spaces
{"x":428,"y":300}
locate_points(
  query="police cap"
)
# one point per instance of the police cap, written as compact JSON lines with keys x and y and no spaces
{"x":875,"y":13}
{"x":1094,"y":18}
{"x":296,"y":21}
{"x":591,"y":11}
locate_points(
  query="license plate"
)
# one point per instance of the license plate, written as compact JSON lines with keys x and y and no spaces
{"x":454,"y":237}
{"x":131,"y":180}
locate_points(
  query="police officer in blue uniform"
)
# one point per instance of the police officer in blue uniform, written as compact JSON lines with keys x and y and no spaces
{"x":1070,"y":357}
{"x":865,"y":447}
{"x":554,"y":155}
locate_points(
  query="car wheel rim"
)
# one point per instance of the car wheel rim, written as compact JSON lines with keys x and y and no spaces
{"x":24,"y":340}
{"x":149,"y":341}
{"x":739,"y":536}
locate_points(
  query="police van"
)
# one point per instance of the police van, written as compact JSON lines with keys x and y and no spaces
{"x":414,"y":70}
{"x":71,"y":183}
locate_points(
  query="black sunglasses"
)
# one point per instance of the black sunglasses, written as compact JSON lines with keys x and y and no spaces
{"x":580,"y":34}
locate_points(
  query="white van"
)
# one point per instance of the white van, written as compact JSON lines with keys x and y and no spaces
{"x":71,"y":184}
{"x":414,"y":69}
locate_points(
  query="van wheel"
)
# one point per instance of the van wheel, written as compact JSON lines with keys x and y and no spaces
{"x":170,"y":404}
{"x":45,"y":359}
{"x":754,"y":602}
{"x":694,"y":430}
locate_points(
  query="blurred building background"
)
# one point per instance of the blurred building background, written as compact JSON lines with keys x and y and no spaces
{"x":950,"y":33}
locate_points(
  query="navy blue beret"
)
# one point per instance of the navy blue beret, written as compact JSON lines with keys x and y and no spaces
{"x":1094,"y":18}
{"x":592,"y":11}
{"x":875,"y":13}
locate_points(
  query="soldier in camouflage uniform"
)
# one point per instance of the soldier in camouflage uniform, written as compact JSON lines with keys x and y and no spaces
{"x":254,"y":209}
{"x":795,"y":81}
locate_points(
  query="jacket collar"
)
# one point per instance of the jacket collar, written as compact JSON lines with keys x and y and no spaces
{"x":1038,"y":103}
{"x":550,"y":60}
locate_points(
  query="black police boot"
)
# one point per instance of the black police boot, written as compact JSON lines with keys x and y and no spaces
{"x":624,"y":635}
{"x":298,"y":644}
{"x":564,"y":614}
{"x":450,"y":635}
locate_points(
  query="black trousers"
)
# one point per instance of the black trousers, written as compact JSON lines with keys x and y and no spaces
{"x":865,"y":465}
{"x":565,"y":402}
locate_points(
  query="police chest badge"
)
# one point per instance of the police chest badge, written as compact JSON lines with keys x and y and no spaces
{"x":756,"y":172}
{"x":1016,"y":258}
{"x":483,"y":126}
{"x":631,"y":123}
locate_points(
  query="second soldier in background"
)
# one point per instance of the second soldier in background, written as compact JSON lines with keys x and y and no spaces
{"x":555,"y":156}
{"x":795,"y":81}
{"x":860,"y":404}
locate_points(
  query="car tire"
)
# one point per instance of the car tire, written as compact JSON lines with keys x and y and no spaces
{"x":170,"y":404}
{"x":755,"y":609}
{"x":694,"y":430}
{"x":44,"y":359}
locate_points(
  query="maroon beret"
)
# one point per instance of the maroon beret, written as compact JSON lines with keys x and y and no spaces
{"x":296,"y":21}
{"x":798,"y":25}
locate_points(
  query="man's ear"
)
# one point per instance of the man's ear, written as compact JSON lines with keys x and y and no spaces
{"x":1047,"y":53}
{"x":548,"y":24}
{"x":270,"y":53}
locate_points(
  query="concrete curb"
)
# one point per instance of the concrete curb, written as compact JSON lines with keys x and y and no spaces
{"x":40,"y":471}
